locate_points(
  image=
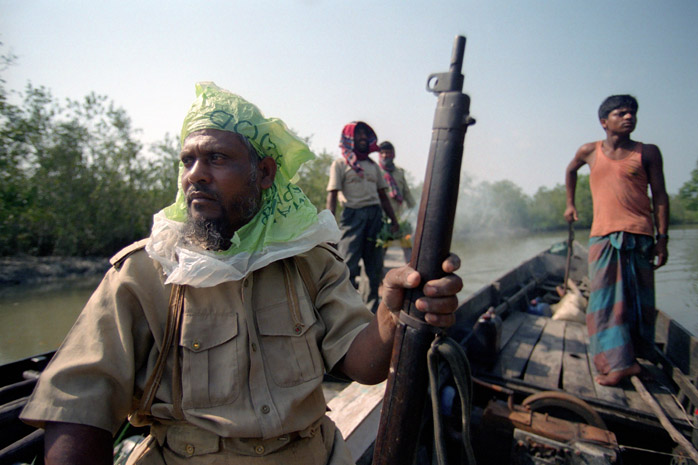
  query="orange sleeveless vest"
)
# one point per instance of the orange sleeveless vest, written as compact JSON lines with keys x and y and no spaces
{"x":619,"y":194}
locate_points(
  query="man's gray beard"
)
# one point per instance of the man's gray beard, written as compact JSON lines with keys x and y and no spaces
{"x":215,"y":234}
{"x":204,"y":233}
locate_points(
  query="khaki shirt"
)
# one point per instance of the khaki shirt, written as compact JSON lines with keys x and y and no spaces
{"x":404,"y":188}
{"x":252,"y":363}
{"x":356,"y":191}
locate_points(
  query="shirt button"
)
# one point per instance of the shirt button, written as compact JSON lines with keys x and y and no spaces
{"x":298,"y":328}
{"x":265,"y":409}
{"x":259,"y":450}
{"x":196,"y":345}
{"x":246,"y":283}
{"x":190,"y":449}
{"x":254,"y":347}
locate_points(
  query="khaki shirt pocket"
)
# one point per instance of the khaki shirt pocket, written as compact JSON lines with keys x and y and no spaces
{"x":290,"y":342}
{"x":210,"y":359}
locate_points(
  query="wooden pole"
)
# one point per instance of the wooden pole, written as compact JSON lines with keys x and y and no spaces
{"x":675,"y":434}
{"x":568,"y":263}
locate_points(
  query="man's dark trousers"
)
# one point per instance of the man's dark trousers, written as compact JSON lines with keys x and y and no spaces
{"x":360,"y":227}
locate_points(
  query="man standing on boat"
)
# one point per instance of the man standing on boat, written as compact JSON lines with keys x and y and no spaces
{"x":622,"y":252}
{"x":398,"y":191}
{"x":357,"y":181}
{"x":216,"y":331}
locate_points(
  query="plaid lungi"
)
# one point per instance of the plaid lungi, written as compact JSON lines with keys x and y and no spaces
{"x":621,"y":311}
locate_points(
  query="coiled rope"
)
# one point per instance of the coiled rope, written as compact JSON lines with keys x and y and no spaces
{"x":453,"y":354}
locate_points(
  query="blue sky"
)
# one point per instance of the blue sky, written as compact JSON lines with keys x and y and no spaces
{"x":536,"y":70}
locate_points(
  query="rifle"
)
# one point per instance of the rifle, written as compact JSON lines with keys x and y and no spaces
{"x":405,"y":394}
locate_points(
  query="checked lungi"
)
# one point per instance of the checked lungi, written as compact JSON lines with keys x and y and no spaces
{"x":621,"y":312}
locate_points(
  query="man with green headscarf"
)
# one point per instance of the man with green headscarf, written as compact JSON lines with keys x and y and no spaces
{"x":216,"y":330}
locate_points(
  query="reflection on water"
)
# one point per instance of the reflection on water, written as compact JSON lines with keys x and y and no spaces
{"x":485,"y":259}
{"x":36,"y":321}
{"x":676,"y":283}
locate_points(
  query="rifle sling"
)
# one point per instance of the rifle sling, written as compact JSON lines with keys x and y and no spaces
{"x":172,"y":327}
{"x":416,"y":323}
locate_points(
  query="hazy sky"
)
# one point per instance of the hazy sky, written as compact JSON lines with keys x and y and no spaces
{"x":536,"y":70}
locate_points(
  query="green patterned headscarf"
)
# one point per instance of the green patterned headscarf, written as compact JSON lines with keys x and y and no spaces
{"x":286,"y":217}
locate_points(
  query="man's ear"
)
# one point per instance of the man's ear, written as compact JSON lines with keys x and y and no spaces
{"x":267,"y":168}
{"x":603,"y":122}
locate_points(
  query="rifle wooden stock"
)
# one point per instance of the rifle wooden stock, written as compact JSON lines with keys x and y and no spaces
{"x":406,"y":390}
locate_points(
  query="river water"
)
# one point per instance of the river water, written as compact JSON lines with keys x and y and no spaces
{"x":35,"y":320}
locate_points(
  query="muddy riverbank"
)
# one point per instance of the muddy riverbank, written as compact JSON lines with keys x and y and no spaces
{"x":24,"y":271}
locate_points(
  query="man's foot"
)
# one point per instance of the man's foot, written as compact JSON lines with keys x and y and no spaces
{"x":615,"y":377}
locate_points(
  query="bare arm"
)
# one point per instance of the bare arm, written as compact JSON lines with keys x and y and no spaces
{"x":652,"y":159}
{"x":368,"y":358}
{"x":72,"y":444}
{"x":388,"y":209}
{"x":332,"y":201}
{"x":580,"y":158}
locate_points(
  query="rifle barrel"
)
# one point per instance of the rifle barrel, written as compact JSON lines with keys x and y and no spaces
{"x":405,"y":395}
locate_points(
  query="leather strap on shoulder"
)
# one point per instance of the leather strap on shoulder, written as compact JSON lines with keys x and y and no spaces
{"x":304,"y":271}
{"x":174,"y":317}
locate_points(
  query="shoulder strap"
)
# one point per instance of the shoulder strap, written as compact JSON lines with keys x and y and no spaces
{"x":304,"y":271}
{"x":174,"y":316}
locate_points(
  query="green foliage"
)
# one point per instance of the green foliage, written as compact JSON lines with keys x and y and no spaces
{"x":684,"y":205}
{"x":688,"y":194}
{"x":546,"y":207}
{"x":73,"y":178}
{"x":313,"y":177}
{"x":491,"y":208}
{"x":385,"y":235}
{"x":503,"y":208}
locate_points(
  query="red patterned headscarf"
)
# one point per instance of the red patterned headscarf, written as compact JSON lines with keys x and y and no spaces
{"x":346,"y":143}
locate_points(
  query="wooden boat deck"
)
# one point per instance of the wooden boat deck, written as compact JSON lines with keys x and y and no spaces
{"x":542,"y":353}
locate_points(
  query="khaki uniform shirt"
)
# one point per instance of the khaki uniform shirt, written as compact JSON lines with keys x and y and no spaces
{"x":404,"y":188}
{"x":356,"y":191}
{"x":252,"y":360}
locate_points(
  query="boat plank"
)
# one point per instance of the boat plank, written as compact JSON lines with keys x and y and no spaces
{"x":612,"y":394}
{"x":576,"y":377}
{"x":659,"y":387}
{"x":544,"y":366}
{"x":514,"y":356}
{"x":633,"y":398}
{"x":356,"y":412}
{"x":510,"y":325}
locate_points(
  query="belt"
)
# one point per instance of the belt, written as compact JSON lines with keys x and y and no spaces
{"x":188,"y":440}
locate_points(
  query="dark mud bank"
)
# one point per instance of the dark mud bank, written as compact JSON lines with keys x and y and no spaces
{"x":25,"y":271}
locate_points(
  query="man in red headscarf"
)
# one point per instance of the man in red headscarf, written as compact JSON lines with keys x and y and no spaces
{"x":361,"y":188}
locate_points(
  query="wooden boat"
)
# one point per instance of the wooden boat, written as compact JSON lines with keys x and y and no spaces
{"x":534,"y":398}
{"x":19,"y":443}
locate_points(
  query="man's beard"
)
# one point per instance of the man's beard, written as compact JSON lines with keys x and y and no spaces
{"x":216,"y":233}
